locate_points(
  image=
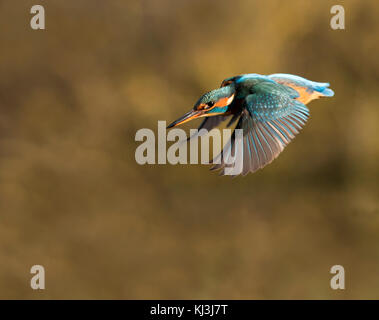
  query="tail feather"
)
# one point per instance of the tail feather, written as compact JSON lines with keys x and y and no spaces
{"x":327,"y":92}
{"x":323,"y":88}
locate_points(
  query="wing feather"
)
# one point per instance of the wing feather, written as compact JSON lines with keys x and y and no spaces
{"x":270,"y":120}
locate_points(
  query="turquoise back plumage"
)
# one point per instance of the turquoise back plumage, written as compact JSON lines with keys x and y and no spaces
{"x":321,"y":87}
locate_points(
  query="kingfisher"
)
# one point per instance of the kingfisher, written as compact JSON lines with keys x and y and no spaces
{"x":270,"y":110}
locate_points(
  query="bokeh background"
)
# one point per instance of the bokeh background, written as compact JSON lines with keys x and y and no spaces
{"x":73,"y":199}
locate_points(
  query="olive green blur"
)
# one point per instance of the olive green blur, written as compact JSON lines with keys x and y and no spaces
{"x":73,"y":198}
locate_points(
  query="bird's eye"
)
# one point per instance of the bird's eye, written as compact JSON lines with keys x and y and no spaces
{"x":210,"y":104}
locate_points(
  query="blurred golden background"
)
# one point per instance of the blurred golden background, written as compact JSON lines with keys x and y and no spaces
{"x":73,"y":199}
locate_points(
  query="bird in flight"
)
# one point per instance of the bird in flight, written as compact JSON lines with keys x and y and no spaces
{"x":270,"y":110}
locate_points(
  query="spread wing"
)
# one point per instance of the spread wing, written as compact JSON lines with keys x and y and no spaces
{"x":270,"y":119}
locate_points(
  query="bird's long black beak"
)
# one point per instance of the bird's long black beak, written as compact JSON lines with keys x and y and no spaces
{"x":187,"y":117}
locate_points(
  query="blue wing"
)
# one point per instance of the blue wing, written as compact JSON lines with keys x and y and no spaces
{"x":270,"y":120}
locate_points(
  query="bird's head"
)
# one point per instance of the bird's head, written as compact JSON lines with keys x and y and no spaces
{"x":212,"y":103}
